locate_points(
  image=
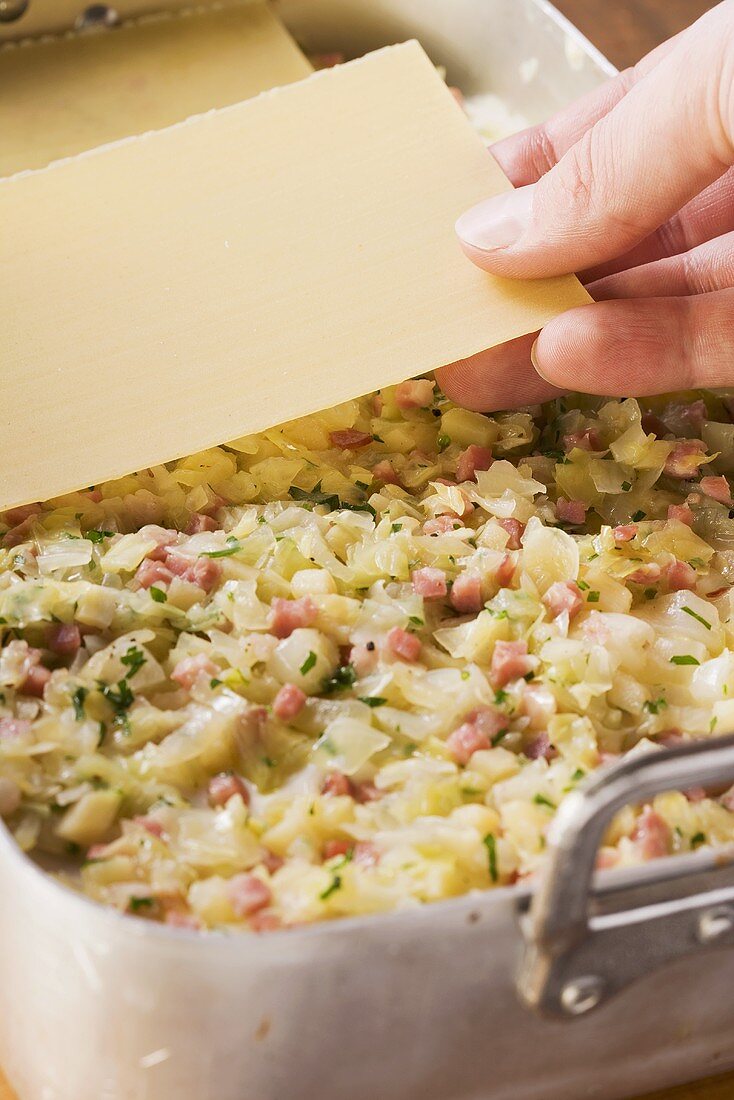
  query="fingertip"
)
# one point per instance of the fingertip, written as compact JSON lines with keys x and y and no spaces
{"x":571,"y":349}
{"x":499,"y":378}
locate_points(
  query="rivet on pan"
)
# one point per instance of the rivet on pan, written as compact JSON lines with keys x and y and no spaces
{"x":715,"y":924}
{"x":96,"y":15}
{"x":582,"y":994}
{"x":10,"y":10}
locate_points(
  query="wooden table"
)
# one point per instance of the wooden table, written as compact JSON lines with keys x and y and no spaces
{"x":624,"y":30}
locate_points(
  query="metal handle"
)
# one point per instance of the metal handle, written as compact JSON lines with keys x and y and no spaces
{"x":575,"y":958}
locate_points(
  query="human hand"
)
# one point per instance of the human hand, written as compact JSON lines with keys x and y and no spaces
{"x":633,"y":187}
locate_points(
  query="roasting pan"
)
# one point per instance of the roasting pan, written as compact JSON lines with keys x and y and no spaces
{"x":597,"y":987}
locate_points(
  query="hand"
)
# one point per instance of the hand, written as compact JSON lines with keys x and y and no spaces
{"x":633,"y":187}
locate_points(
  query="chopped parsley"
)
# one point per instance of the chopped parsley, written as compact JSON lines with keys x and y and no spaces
{"x":415,"y":621}
{"x":698,"y":839}
{"x":501,"y":697}
{"x":593,"y":597}
{"x":329,"y":500}
{"x":136,"y":905}
{"x":491,"y":845}
{"x":77,"y":697}
{"x":684,"y":659}
{"x":157,"y":594}
{"x":654,"y":706}
{"x":626,"y":486}
{"x":344,"y":677}
{"x":372,"y":700}
{"x":332,"y":888}
{"x":541,"y":800}
{"x":465,"y":674}
{"x":395,"y":527}
{"x":98,"y":536}
{"x":443,"y":441}
{"x":308,"y":664}
{"x":637,"y":516}
{"x":119,"y":699}
{"x":583,"y":586}
{"x":498,"y":737}
{"x":233,"y":547}
{"x":133,"y":659}
{"x":699,"y":618}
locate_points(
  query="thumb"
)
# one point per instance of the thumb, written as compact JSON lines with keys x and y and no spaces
{"x":663,"y":143}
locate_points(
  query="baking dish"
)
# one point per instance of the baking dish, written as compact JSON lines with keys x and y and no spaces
{"x":420,"y":1004}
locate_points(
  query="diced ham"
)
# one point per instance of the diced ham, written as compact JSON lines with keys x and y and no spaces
{"x":151,"y":825}
{"x":350,"y":439}
{"x":652,"y":424}
{"x":539,"y":705}
{"x":223,"y":787}
{"x":684,"y":459}
{"x":35,"y":681}
{"x":288,"y":703}
{"x":178,"y":918}
{"x":680,"y":576}
{"x":289,"y":615}
{"x":199,"y":522}
{"x":682,"y":513}
{"x":606,"y":858}
{"x":625,"y":532}
{"x":695,"y":794}
{"x":417,"y":393}
{"x":540,"y":748}
{"x":363,"y":658}
{"x":717,"y":488}
{"x":564,"y":596}
{"x":586,"y":440}
{"x":334,"y":848}
{"x":515,"y":529}
{"x":429,"y":583}
{"x":651,"y":836}
{"x":505,"y":571}
{"x":203,"y":572}
{"x":510,"y":661}
{"x":681,"y":419}
{"x":367,"y":792}
{"x":247,"y":894}
{"x":442,"y":525}
{"x":401,"y":643}
{"x":465,"y":741}
{"x":189,"y":669}
{"x":378,"y":404}
{"x":265,"y":922}
{"x":385,"y":472}
{"x":326,"y":60}
{"x":489,"y":720}
{"x":727,"y":799}
{"x":466,"y":593}
{"x":271,"y":862}
{"x":646,"y":574}
{"x":366,"y":854}
{"x":152,"y":573}
{"x":64,"y":639}
{"x":11,"y":728}
{"x":570,"y":511}
{"x":670,"y":739}
{"x":471,"y":460}
{"x":335,"y":783}
{"x":15,"y":516}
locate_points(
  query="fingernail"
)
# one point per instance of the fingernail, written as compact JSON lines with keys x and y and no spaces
{"x":534,"y":361}
{"x":498,"y":222}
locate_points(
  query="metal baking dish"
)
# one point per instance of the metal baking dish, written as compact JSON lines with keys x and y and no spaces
{"x":493,"y":996}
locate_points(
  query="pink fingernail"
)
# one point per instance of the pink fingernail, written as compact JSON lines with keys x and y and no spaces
{"x":498,"y":222}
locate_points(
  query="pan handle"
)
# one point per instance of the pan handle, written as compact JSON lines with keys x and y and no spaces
{"x":576,"y":958}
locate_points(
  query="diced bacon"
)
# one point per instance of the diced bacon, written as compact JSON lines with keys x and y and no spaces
{"x":465,"y":741}
{"x":335,"y":783}
{"x":97,"y":851}
{"x":385,"y":472}
{"x":189,"y":669}
{"x":471,"y":460}
{"x":515,"y":529}
{"x":682,"y":513}
{"x":151,"y":825}
{"x":178,"y":918}
{"x":350,"y":439}
{"x":586,"y":440}
{"x":646,"y":574}
{"x":429,"y":583}
{"x":625,"y":532}
{"x":223,"y":787}
{"x":151,"y":573}
{"x":18,"y":534}
{"x":717,"y":488}
{"x":363,"y":658}
{"x":680,"y":576}
{"x":271,"y":862}
{"x":652,"y":424}
{"x":247,"y":894}
{"x":540,"y":748}
{"x":570,"y":511}
{"x":670,"y":739}
{"x":367,"y":792}
{"x":265,"y":922}
{"x":401,"y":643}
{"x":684,"y":460}
{"x":695,"y":794}
{"x":727,"y":799}
{"x":35,"y":681}
{"x":442,"y":525}
{"x":366,"y":854}
{"x":564,"y":596}
{"x":510,"y":661}
{"x":203,"y":572}
{"x":64,"y":639}
{"x":334,"y":848}
{"x":16,"y":516}
{"x":11,"y":728}
{"x":606,"y":858}
{"x":539,"y":705}
{"x":505,"y":571}
{"x":651,"y":836}
{"x":681,"y":419}
{"x":288,"y":703}
{"x":378,"y":404}
{"x":489,"y":720}
{"x":417,"y":393}
{"x":94,"y":495}
{"x":199,"y":522}
{"x":289,"y":615}
{"x":466,"y":593}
